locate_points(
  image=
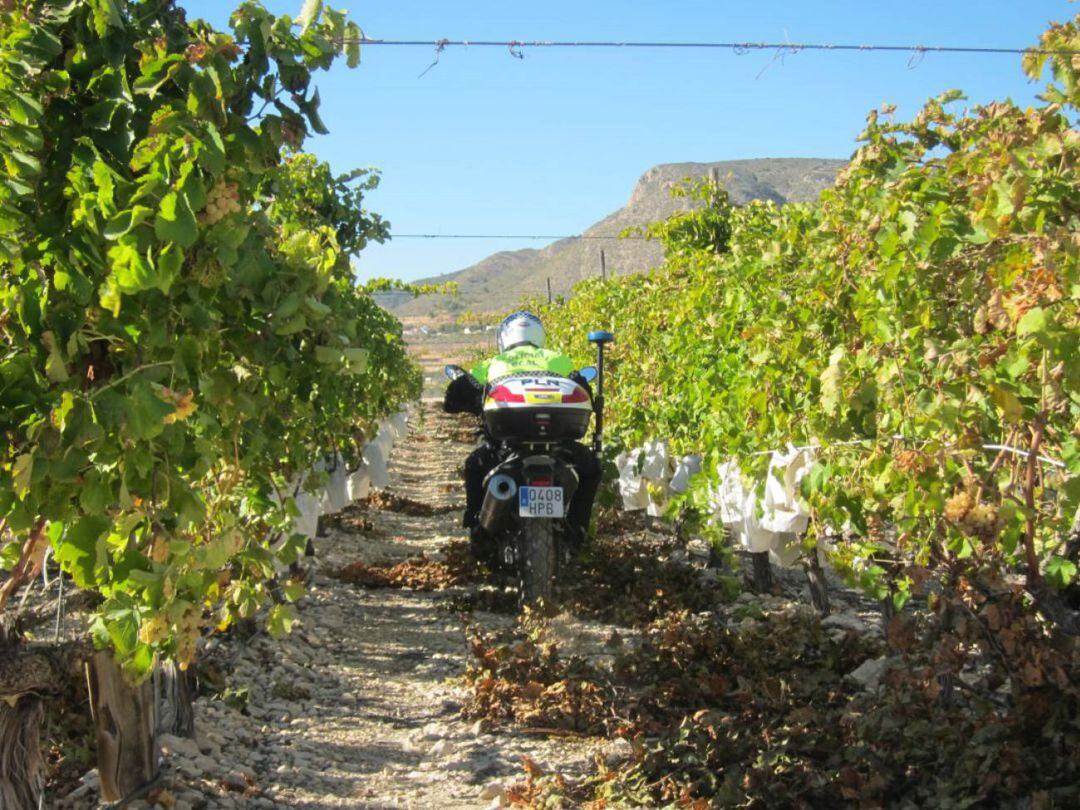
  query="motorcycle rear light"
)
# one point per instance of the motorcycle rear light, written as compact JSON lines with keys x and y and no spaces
{"x":578,"y":395}
{"x":541,"y":482}
{"x":500,"y":393}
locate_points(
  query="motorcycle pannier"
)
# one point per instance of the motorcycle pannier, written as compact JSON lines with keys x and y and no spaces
{"x":539,"y":408}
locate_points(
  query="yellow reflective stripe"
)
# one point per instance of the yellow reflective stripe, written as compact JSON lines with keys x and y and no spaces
{"x":523,"y":360}
{"x":482,"y":372}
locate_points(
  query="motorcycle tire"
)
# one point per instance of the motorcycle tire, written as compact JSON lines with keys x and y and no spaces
{"x":538,"y":558}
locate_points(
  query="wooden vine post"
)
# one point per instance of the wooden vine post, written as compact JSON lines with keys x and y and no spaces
{"x":126,"y":720}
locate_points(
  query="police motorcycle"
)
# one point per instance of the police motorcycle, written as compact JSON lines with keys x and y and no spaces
{"x":535,"y":419}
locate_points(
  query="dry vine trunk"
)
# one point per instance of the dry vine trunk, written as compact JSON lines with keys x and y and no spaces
{"x":175,"y":695}
{"x":23,"y":679}
{"x":763,"y":578}
{"x":815,"y":578}
{"x":125,"y":717}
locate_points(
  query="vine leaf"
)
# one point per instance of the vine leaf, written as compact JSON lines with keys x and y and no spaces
{"x":80,"y":550}
{"x":21,"y":473}
{"x":1060,"y":571}
{"x":1012,"y":410}
{"x":281,"y":620}
{"x":106,"y":16}
{"x":309,"y":14}
{"x":55,"y":369}
{"x":353,"y":36}
{"x":125,"y":221}
{"x":146,"y":413}
{"x":176,"y":221}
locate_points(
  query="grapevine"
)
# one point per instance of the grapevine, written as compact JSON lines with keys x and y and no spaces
{"x":918,"y":327}
{"x":915,"y":320}
{"x":183,"y":337}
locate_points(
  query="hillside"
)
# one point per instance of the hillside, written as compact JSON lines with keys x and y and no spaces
{"x":502,"y":279}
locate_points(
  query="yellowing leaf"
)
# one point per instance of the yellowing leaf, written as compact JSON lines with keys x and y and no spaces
{"x":184,"y":404}
{"x":21,"y":472}
{"x":59,"y":414}
{"x":830,"y":382}
{"x":1012,"y":410}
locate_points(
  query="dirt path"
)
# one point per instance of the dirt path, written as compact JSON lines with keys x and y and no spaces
{"x":358,"y":707}
{"x":388,"y":732}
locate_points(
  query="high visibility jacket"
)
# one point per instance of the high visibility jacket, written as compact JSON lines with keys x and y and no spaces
{"x":522,"y":360}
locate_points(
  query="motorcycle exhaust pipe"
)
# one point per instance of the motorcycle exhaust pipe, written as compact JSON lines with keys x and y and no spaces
{"x":498,"y":503}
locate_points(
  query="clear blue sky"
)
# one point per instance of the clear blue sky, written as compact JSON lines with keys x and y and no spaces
{"x":485,"y":143}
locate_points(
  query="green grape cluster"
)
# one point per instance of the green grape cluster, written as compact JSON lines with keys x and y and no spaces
{"x":186,"y":634}
{"x":223,"y":199}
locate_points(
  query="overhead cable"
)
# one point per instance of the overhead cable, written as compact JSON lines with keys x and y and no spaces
{"x":515,"y":46}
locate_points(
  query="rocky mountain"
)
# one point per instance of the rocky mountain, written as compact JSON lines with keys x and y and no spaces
{"x":503,"y":279}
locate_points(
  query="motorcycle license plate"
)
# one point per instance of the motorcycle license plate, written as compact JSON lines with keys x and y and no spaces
{"x":540,"y":502}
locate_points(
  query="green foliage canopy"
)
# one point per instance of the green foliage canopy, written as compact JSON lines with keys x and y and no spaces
{"x":921,"y":310}
{"x":182,"y":335}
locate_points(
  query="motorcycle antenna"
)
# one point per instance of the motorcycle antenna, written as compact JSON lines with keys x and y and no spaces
{"x":601,"y":339}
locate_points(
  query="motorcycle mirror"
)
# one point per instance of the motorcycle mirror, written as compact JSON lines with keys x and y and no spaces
{"x":453,"y":372}
{"x":589,"y":373}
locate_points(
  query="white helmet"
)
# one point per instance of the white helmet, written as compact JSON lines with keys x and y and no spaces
{"x":519,"y":328}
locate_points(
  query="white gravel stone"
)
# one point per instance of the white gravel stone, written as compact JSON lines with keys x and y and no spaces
{"x":868,"y":673}
{"x":844,"y":622}
{"x":618,"y":750}
{"x":495,"y":789}
{"x":433,"y":731}
{"x":179,"y":746}
{"x":443,"y":748}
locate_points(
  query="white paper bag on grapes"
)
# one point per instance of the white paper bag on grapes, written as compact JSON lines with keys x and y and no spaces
{"x":399,"y":425}
{"x":375,"y":460}
{"x":656,"y":463}
{"x":755,"y":537}
{"x":310,"y":508}
{"x":728,"y":497}
{"x":385,"y":438}
{"x":782,"y":509}
{"x":787,"y":550}
{"x":337,"y":490}
{"x":735,"y":506}
{"x":658,"y":499}
{"x":687,"y":468}
{"x":359,"y":484}
{"x":632,"y":487}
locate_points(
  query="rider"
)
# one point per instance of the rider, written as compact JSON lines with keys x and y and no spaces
{"x":521,"y":350}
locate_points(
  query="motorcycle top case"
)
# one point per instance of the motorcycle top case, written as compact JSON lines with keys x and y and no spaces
{"x":537,"y":408}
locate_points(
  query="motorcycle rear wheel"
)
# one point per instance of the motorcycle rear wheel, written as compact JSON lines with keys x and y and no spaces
{"x":538,"y":560}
